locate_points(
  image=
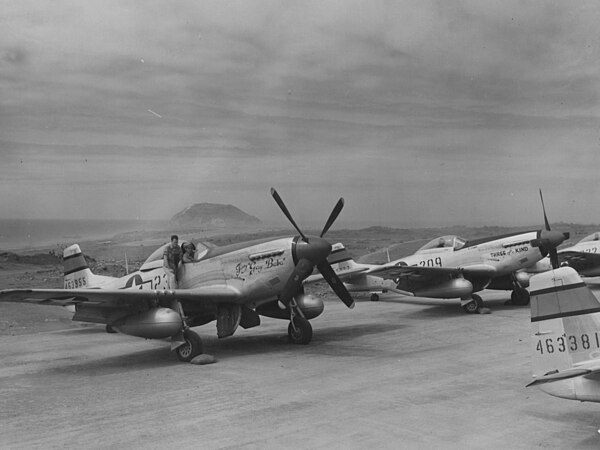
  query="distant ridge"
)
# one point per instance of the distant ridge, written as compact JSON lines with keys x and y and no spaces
{"x":214,"y":215}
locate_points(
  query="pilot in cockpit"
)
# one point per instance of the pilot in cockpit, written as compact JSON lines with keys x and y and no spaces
{"x":189,"y":250}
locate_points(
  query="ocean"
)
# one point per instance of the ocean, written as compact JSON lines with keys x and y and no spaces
{"x":25,"y":233}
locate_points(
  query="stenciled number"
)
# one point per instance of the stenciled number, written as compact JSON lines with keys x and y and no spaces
{"x":574,"y":343}
{"x":585,"y":341}
{"x":561,"y":344}
{"x":431,"y":262}
{"x":573,"y":346}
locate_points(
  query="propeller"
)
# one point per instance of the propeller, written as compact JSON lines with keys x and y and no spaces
{"x":549,"y":240}
{"x":310,"y":253}
{"x":333,"y":216}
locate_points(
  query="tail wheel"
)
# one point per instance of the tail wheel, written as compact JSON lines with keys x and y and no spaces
{"x":374,"y":297}
{"x":192,"y":347}
{"x":300,"y":331}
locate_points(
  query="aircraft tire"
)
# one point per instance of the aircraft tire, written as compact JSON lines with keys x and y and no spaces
{"x":191,"y":348}
{"x":520,"y":297}
{"x":302,"y":334}
{"x":110,"y":329}
{"x":474,"y":305}
{"x":374,"y":297}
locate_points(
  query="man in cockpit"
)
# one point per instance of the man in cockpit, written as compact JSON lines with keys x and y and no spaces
{"x":189,"y":249}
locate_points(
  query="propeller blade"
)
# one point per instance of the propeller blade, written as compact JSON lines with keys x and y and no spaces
{"x":544,"y":209}
{"x":294,"y":283}
{"x":283,"y":208}
{"x":336,"y":284}
{"x":554,"y":258}
{"x":333,"y":216}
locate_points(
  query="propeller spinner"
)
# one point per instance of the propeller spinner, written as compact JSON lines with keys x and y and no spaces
{"x":312,"y":252}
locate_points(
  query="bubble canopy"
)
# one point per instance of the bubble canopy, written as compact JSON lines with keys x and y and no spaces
{"x":449,"y":241}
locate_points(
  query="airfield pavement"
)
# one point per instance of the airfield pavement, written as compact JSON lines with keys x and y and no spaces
{"x":388,"y":374}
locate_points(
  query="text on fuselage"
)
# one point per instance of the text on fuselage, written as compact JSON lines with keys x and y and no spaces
{"x":257,"y":266}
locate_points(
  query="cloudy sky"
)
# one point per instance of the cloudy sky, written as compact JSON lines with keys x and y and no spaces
{"x":416,"y":112}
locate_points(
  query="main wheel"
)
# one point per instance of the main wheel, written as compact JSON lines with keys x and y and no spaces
{"x":520,"y":297}
{"x":473,"y":306}
{"x":192,"y":347}
{"x":300,"y":332}
{"x":374,"y":297}
{"x":110,"y":329}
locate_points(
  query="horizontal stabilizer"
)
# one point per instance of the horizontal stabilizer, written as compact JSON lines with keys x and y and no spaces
{"x":559,"y":375}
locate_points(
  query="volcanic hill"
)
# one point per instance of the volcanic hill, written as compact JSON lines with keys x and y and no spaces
{"x":214,"y":215}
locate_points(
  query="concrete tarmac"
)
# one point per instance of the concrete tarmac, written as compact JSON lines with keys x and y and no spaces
{"x":388,"y":374}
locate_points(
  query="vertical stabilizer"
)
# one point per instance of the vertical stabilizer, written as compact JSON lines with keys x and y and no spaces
{"x":77,"y":274}
{"x":565,"y":318}
{"x":342,"y":262}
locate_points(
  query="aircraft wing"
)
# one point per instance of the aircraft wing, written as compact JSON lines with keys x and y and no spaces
{"x":580,"y":260}
{"x":119,"y":298}
{"x":393,"y":272}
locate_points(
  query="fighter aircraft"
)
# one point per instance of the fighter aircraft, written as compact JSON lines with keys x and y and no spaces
{"x":584,"y":257}
{"x":565,"y":318}
{"x":233,"y":285}
{"x":452,"y":267}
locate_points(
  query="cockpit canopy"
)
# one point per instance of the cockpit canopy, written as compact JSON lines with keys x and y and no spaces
{"x":449,"y":241}
{"x":592,"y":237}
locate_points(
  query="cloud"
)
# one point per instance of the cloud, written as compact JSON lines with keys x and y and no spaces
{"x":448,"y":105}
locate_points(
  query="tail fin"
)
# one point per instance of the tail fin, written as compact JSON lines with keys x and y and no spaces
{"x":341,"y":261}
{"x":565,"y":318}
{"x":77,"y":274}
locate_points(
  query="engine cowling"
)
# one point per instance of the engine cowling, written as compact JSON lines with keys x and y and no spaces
{"x":311,"y":307}
{"x":156,"y":323}
{"x":455,"y":288}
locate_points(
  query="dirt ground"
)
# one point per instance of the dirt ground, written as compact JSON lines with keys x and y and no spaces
{"x":399,"y":373}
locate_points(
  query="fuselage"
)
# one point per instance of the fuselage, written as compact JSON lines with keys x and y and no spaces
{"x":258,"y":269}
{"x":504,"y":254}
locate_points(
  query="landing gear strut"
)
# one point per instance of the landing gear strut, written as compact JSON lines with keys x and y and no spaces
{"x":299,"y":329}
{"x":192,"y":344}
{"x":473,"y":306}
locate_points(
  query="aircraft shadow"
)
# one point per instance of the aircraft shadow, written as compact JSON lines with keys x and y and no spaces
{"x":151,"y":358}
{"x":278,"y":342}
{"x":273,"y":343}
{"x":449,"y":308}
